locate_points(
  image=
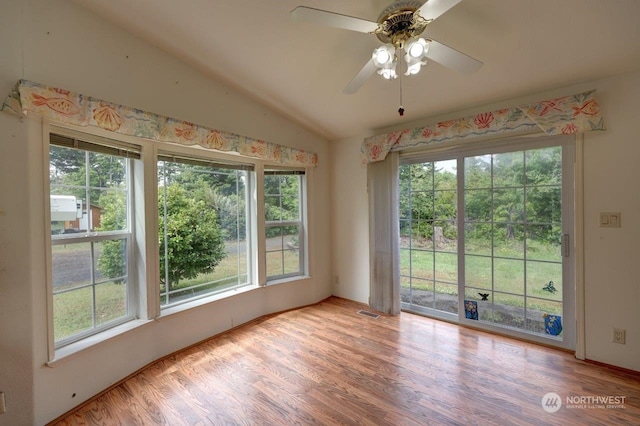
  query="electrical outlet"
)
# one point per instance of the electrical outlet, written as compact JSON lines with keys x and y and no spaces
{"x":619,"y":336}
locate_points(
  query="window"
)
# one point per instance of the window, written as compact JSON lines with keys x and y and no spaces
{"x":104,"y":220}
{"x":284,"y":225}
{"x":202,"y":227}
{"x":91,"y":235}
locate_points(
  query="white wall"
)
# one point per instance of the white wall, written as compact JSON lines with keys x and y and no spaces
{"x":57,"y":43}
{"x":612,"y":286}
{"x":350,"y":221}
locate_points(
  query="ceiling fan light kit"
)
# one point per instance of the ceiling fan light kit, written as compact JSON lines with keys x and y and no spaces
{"x":399,"y":28}
{"x":385,"y":59}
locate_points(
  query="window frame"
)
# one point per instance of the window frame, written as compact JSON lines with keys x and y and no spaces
{"x":90,"y":143}
{"x":300,"y":222}
{"x":192,"y":159}
{"x":145,"y":261}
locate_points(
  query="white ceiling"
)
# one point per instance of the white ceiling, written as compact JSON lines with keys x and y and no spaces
{"x":300,"y":69}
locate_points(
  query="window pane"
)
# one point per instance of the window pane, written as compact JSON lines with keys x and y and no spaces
{"x":72,"y":312}
{"x":508,"y":205}
{"x":66,"y":165}
{"x":508,"y":169}
{"x":421,"y":176}
{"x":272,"y":211}
{"x":405,"y":259}
{"x":544,"y":280}
{"x":477,"y":172}
{"x":544,"y":166}
{"x":508,"y":275}
{"x":107,"y":171}
{"x":291,"y":262}
{"x":290,"y":187}
{"x":275,"y":262}
{"x":478,"y":272}
{"x":544,"y":204}
{"x":477,"y":205}
{"x":477,"y":238}
{"x":202,"y":217}
{"x":508,"y":310}
{"x":422,"y":293}
{"x":110,"y":212}
{"x":422,"y":264}
{"x":540,"y":317}
{"x":111,"y":260}
{"x":446,"y":267}
{"x":282,"y":197}
{"x":71,"y":265}
{"x":508,"y":240}
{"x":543,"y":242}
{"x":446,"y":297}
{"x":422,"y":205}
{"x":111,"y":302}
{"x":283,"y":250}
{"x":445,"y":205}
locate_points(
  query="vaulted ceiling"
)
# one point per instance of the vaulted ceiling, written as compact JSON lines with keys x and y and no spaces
{"x":300,"y":68}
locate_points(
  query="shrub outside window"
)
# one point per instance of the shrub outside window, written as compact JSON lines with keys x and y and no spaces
{"x":284,"y":225}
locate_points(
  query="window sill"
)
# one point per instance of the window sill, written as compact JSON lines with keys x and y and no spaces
{"x":69,"y":351}
{"x":73,"y":349}
{"x":288,"y":279}
{"x":172,"y":310}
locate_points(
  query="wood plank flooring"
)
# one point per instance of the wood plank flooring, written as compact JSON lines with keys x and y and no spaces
{"x":326,"y":365}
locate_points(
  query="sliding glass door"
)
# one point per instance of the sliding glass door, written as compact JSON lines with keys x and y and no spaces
{"x":486,"y":236}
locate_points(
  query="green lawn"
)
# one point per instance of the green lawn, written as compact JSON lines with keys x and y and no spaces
{"x":73,"y":309}
{"x":504,"y":276}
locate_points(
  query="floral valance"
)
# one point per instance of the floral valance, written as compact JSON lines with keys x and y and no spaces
{"x":64,"y":106}
{"x":565,"y":115}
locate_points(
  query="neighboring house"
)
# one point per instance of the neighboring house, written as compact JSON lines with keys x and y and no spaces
{"x":81,"y":225}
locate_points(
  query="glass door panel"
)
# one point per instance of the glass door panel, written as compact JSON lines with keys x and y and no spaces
{"x":513,"y":226}
{"x":429,"y":237}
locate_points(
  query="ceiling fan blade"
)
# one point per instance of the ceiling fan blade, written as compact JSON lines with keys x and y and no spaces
{"x":451,"y":58}
{"x":367,"y":71}
{"x":431,"y":9}
{"x":308,"y":14}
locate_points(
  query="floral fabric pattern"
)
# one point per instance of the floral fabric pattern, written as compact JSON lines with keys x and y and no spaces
{"x":66,"y":107}
{"x":565,"y":115}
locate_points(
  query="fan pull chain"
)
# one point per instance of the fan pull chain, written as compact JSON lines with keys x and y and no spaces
{"x":401,"y":109}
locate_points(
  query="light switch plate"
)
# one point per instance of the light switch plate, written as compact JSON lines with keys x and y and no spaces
{"x":610,"y":219}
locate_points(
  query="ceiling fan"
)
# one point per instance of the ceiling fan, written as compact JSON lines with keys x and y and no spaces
{"x":399,"y":27}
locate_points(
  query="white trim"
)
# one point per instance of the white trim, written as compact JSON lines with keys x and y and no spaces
{"x":579,"y":248}
{"x":259,"y":238}
{"x":51,"y":346}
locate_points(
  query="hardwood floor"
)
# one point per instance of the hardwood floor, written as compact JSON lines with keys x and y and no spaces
{"x":326,"y":364}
